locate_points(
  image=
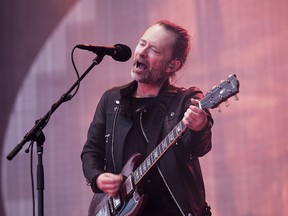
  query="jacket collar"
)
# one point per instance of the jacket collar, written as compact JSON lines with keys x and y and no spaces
{"x":166,"y":90}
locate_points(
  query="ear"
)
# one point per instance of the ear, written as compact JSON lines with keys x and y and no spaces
{"x":174,"y":66}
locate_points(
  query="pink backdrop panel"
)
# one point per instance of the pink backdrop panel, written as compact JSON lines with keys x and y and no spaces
{"x":246,"y":171}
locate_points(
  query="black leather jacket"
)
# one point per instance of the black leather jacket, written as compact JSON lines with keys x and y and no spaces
{"x":179,"y":167}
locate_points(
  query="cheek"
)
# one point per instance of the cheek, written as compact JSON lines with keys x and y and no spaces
{"x":159,"y":63}
{"x":136,"y":51}
{"x":156,"y":61}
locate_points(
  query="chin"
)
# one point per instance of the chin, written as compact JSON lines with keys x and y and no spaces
{"x":143,"y":78}
{"x":135,"y":76}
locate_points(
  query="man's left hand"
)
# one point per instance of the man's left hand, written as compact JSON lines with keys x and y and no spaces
{"x":194,"y":117}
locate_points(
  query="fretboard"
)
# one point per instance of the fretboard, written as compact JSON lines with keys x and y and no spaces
{"x":157,"y":153}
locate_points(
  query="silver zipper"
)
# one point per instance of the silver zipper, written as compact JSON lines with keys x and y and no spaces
{"x":170,"y":191}
{"x":117,"y":108}
{"x":143,"y":132}
{"x":141,"y":125}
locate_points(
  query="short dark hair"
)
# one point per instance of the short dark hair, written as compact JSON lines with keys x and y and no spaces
{"x":182,"y":44}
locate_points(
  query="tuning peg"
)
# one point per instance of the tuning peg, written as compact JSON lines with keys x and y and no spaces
{"x":227,"y":104}
{"x":236,"y":97}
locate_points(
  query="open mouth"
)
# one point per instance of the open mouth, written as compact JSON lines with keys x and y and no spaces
{"x":141,"y":65}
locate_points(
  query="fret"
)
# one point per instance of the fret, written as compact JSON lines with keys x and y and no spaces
{"x":176,"y":132}
{"x":136,"y":175}
{"x":139,"y":174}
{"x":158,"y":150}
{"x":155,"y":154}
{"x":171,"y":136}
{"x":151,"y":159}
{"x":140,"y":170}
{"x":165,"y":143}
{"x":148,"y":161}
{"x":161,"y":147}
{"x":145,"y":166}
{"x":179,"y":128}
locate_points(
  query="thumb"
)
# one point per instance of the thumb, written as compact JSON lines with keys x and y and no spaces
{"x":195,"y":102}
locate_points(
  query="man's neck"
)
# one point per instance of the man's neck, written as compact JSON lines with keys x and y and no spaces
{"x":147,"y":89}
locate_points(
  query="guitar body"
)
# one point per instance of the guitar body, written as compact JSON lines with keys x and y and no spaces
{"x":133,"y":206}
{"x":131,"y":203}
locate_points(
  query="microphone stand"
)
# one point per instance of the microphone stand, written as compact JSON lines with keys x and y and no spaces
{"x":36,"y":134}
{"x":40,"y":172}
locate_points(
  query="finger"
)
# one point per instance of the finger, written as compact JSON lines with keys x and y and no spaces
{"x":193,"y":114}
{"x":109,"y":187}
{"x":109,"y":181}
{"x":189,"y":116}
{"x":196,"y":109}
{"x":109,"y":177}
{"x":194,"y":101}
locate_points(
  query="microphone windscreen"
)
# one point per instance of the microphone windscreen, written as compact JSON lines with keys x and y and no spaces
{"x":123,"y":53}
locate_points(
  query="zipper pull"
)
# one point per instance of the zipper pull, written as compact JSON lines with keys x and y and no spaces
{"x":107,"y":138}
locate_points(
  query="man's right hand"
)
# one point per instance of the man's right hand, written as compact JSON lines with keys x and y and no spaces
{"x":109,"y":183}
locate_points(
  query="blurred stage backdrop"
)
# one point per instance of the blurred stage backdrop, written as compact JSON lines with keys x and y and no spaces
{"x":247,"y":170}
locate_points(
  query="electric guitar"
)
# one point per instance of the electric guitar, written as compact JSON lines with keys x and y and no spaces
{"x":128,"y":201}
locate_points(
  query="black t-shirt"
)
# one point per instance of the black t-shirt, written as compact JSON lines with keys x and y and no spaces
{"x":160,"y":201}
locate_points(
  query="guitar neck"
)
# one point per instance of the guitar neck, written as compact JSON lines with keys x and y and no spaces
{"x":212,"y":99}
{"x":158,"y":152}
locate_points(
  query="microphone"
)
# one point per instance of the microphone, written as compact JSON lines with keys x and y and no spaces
{"x":118,"y":52}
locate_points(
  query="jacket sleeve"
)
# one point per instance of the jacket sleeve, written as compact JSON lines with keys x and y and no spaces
{"x":198,"y":143}
{"x":93,"y":153}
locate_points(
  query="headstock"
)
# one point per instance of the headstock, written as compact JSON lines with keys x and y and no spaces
{"x":220,"y":93}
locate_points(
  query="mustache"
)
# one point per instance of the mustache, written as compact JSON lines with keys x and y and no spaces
{"x":140,"y":60}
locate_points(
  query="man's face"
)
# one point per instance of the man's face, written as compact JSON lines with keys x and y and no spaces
{"x":152,"y":55}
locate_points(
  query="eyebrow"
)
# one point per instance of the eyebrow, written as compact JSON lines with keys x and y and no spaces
{"x":142,"y":40}
{"x":151,"y":43}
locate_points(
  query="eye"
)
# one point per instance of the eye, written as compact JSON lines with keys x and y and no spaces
{"x":155,"y":51}
{"x":141,"y":43}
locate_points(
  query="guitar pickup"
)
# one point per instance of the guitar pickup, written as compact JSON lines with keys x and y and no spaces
{"x":127,"y":187}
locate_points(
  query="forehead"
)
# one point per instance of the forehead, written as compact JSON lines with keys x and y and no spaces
{"x":158,"y":35}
